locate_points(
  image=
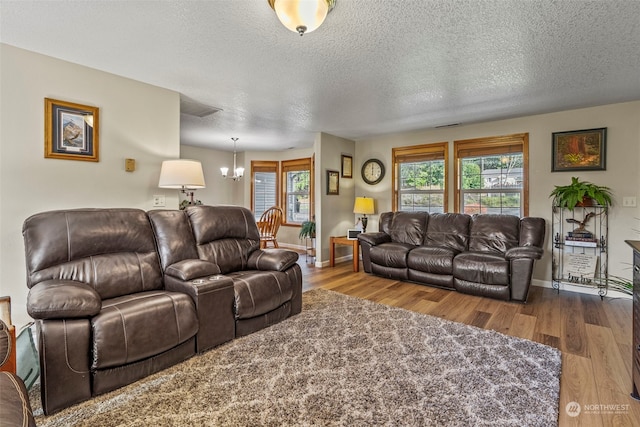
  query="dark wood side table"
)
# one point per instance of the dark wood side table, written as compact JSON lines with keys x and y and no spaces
{"x":342,"y":240}
{"x":635,"y":363}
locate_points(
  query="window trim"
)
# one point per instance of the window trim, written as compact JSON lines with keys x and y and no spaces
{"x":492,"y":145}
{"x":264,"y":166}
{"x":305,"y":163}
{"x":416,"y":153}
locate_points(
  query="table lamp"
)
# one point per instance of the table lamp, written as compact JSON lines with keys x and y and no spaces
{"x":364,"y":206}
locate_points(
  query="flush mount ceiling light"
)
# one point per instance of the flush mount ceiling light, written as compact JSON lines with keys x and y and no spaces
{"x":302,"y":16}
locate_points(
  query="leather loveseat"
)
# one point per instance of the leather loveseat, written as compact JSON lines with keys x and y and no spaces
{"x":484,"y":254}
{"x":119,"y":294}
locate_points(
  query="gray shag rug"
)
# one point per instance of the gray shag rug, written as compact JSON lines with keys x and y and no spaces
{"x":343,"y":361}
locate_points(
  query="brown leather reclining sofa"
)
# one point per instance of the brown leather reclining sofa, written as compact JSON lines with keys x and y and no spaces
{"x":487,"y":255}
{"x":119,"y":294}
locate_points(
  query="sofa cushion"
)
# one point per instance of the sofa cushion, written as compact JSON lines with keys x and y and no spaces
{"x":113,"y":250}
{"x":259,"y":292}
{"x":391,"y":254}
{"x":431,"y":260}
{"x":487,"y":268}
{"x":494,"y":233}
{"x":409,"y":227}
{"x":448,"y":230}
{"x":133,"y":327}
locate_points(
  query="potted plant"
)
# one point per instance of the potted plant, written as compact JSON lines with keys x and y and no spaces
{"x":308,"y":229}
{"x":580,"y":193}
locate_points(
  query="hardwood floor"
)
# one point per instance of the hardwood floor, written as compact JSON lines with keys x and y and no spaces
{"x":594,"y":335}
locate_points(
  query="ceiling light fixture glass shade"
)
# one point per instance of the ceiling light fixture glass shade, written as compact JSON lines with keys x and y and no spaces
{"x":302,"y":16}
{"x":237,"y":172}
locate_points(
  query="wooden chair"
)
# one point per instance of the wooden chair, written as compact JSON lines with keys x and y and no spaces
{"x":268,"y":226}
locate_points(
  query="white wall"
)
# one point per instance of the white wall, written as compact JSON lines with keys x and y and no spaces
{"x":336,"y":211}
{"x":137,"y":121}
{"x":622,"y":175}
{"x":218,"y":191}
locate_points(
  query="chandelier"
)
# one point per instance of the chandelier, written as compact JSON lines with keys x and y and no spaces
{"x":237,"y":172}
{"x":302,"y":16}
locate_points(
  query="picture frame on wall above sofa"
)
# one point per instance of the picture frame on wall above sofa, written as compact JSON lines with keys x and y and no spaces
{"x":71,"y":131}
{"x":579,"y":150}
{"x":333,"y":183}
{"x":347,"y":166}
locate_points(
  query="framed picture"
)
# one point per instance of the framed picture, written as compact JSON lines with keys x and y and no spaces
{"x":333,"y":182}
{"x":347,"y":166}
{"x":579,"y":150}
{"x":71,"y":131}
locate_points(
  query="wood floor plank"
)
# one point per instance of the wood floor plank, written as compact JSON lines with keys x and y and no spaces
{"x":577,"y":385}
{"x":523,"y":326}
{"x":594,"y":334}
{"x":573,"y":329}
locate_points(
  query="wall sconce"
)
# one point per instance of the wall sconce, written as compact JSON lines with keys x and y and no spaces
{"x":364,"y":206}
{"x":183,"y":175}
{"x":237,"y":172}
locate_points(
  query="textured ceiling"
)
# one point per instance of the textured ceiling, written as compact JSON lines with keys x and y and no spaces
{"x":374,"y":67}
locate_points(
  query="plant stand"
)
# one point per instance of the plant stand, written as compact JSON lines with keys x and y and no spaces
{"x":580,"y":255}
{"x":310,"y":249}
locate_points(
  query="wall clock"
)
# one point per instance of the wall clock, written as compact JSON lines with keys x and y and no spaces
{"x":372,"y":171}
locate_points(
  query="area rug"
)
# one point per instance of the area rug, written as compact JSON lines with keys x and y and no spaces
{"x":343,"y":361}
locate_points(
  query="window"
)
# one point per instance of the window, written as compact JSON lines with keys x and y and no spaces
{"x":264,"y":186}
{"x":420,"y":176}
{"x":297,"y":190}
{"x":492,"y":175}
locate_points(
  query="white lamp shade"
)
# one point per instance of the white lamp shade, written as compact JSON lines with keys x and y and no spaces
{"x":181,"y":174}
{"x":364,"y":206}
{"x":301,"y":13}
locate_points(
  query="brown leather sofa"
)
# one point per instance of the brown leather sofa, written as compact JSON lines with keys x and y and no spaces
{"x":484,"y":254}
{"x":267,"y":284}
{"x":116,"y":299}
{"x":15,"y":409}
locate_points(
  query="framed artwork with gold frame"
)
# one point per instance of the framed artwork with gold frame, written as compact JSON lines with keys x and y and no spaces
{"x":71,"y":131}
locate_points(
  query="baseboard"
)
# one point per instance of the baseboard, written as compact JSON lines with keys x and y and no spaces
{"x":611,"y":293}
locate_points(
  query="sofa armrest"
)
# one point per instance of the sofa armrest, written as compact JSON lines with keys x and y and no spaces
{"x":60,"y":299}
{"x":530,"y":252}
{"x":190,"y":269}
{"x":272,"y":259}
{"x":213,"y":297}
{"x":374,"y":238}
{"x":15,"y":408}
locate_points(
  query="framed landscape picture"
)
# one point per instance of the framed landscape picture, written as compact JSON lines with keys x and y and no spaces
{"x":579,"y":150}
{"x":70,"y":131}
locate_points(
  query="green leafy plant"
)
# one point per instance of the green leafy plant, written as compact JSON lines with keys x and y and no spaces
{"x":307,"y":229}
{"x":617,"y":283}
{"x":578,"y":192}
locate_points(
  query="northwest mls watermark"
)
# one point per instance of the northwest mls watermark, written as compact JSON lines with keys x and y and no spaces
{"x":574,"y":409}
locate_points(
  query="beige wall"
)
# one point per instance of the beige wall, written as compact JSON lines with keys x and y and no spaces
{"x":137,"y":121}
{"x":622,"y":175}
{"x":142,"y":122}
{"x":218,"y":190}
